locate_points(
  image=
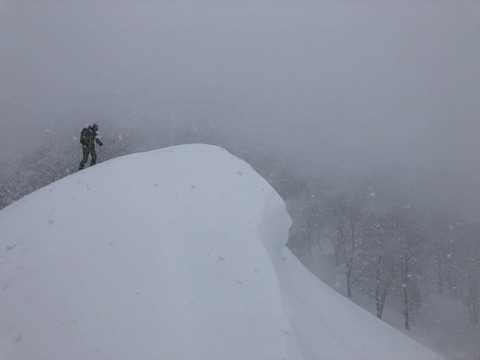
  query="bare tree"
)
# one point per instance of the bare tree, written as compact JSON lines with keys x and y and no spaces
{"x":469,"y":252}
{"x":443,"y":236}
{"x":379,"y":234}
{"x":346,"y":214}
{"x":409,"y":238}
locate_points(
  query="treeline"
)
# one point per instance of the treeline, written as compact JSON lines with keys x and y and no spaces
{"x":388,"y":240}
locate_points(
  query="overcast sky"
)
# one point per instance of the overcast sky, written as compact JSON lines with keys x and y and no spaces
{"x":352,"y":83}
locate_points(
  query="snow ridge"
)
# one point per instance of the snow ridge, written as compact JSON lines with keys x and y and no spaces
{"x":177,"y":253}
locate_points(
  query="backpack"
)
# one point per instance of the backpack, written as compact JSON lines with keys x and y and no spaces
{"x":83,"y":136}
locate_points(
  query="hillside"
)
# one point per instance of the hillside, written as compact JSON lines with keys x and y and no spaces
{"x":177,"y":253}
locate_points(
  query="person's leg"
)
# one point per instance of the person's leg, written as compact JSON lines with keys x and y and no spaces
{"x":94,"y":157}
{"x":84,"y":159}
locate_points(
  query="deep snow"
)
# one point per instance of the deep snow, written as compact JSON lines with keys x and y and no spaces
{"x":177,"y":253}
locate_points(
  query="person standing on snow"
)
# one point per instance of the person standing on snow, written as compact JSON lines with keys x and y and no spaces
{"x":88,"y":137}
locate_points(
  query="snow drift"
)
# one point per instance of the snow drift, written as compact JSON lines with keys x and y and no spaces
{"x":173,"y":254}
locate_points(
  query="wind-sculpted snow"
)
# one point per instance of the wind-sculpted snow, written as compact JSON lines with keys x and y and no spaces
{"x":173,"y":254}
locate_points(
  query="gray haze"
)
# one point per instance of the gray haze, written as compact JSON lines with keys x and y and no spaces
{"x":354,"y":85}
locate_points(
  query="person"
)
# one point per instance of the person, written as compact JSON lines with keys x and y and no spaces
{"x":88,"y":137}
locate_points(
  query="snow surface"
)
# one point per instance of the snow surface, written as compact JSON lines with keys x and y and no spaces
{"x":177,"y":253}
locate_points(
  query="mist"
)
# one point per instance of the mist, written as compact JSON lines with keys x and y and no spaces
{"x":378,"y":95}
{"x":354,"y":84}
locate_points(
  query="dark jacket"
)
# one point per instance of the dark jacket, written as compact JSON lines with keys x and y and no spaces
{"x":88,"y":136}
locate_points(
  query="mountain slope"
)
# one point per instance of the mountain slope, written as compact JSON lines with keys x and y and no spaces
{"x":173,"y":254}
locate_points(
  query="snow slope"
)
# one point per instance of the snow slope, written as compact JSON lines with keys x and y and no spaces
{"x":177,"y":253}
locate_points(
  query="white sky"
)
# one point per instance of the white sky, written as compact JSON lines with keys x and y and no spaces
{"x":356,"y":85}
{"x":362,"y":81}
{"x":173,"y":254}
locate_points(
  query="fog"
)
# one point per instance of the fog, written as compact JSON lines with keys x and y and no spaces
{"x":340,"y":89}
{"x":350,"y":82}
{"x":351,"y":85}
